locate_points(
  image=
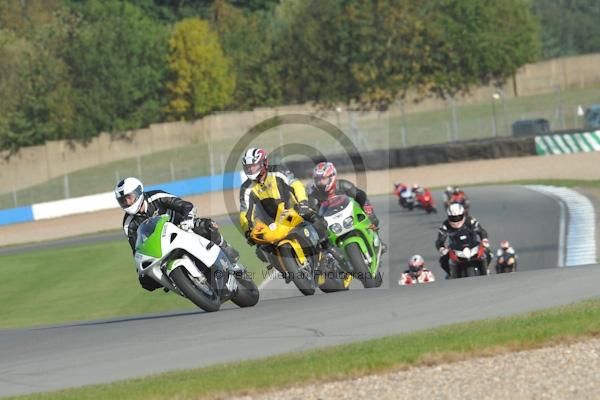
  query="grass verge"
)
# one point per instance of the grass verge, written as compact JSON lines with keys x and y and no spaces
{"x":66,"y":284}
{"x":449,"y":343}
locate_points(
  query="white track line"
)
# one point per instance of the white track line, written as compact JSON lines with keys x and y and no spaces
{"x":581,"y":232}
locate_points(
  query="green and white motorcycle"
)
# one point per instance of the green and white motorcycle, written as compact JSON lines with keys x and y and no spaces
{"x":191,"y":266}
{"x":348,"y":228}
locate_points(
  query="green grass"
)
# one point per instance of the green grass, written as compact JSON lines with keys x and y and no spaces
{"x":449,"y":343}
{"x":474,"y":121}
{"x":88,"y":282}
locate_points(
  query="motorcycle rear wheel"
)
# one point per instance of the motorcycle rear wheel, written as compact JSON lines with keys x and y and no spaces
{"x":247,"y":295}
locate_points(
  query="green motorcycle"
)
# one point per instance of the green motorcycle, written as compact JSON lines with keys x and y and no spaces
{"x":349,"y":228}
{"x":191,"y":266}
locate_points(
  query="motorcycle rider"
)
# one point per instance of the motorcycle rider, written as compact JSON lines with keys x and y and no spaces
{"x":416,"y":272}
{"x":268,"y":186}
{"x":140,"y":205}
{"x":459,"y":196}
{"x":326,"y":184}
{"x":504,"y":254}
{"x":404,"y":193}
{"x":448,"y":195}
{"x":456,"y":223}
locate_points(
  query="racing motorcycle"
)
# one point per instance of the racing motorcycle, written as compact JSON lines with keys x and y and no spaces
{"x":467,"y":255}
{"x":425,"y":201}
{"x":506,"y":262}
{"x":406,"y":197}
{"x":293,"y":248}
{"x":458,"y":198}
{"x":409,"y":278}
{"x":349,"y":228}
{"x":191,"y":266}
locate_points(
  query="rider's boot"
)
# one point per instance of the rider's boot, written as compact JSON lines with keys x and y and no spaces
{"x":232,"y":254}
{"x":338,"y":256}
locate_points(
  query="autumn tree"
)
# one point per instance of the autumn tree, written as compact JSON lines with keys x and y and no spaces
{"x":201,"y":78}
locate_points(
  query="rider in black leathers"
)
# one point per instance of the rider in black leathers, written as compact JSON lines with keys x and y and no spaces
{"x":157,"y":202}
{"x":456,"y":223}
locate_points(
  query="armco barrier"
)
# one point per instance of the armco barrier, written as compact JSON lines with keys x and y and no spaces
{"x":423,"y":155}
{"x":567,"y":143}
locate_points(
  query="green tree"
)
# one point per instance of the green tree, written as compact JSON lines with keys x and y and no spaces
{"x":312,"y":51}
{"x":117,"y":60}
{"x":248,"y":42}
{"x":480,"y":41}
{"x":370,"y":52}
{"x":202,"y":81}
{"x":568,"y":27}
{"x":34,"y":87}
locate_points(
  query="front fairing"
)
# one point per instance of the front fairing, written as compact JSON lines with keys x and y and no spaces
{"x":339,"y":215}
{"x":158,"y":238}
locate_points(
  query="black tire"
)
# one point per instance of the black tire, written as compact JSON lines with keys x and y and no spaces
{"x":361,"y":270}
{"x":334,"y":284}
{"x":207,"y":302}
{"x":247,"y":295}
{"x":305,"y":284}
{"x":469,"y":271}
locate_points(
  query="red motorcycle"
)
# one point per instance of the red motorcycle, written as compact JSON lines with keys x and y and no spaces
{"x":425,"y":201}
{"x":460,"y":198}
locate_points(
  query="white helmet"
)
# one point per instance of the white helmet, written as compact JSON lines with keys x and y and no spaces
{"x":416,"y":263}
{"x":130,"y":195}
{"x":456,"y":215}
{"x":256,"y":164}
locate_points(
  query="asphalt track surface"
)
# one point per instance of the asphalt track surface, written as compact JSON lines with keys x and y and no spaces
{"x":55,"y":357}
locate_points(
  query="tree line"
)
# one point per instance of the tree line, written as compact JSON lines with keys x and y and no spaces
{"x":70,"y":69}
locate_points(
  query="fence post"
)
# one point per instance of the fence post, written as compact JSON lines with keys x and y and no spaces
{"x":66,"y":186}
{"x":139,"y":165}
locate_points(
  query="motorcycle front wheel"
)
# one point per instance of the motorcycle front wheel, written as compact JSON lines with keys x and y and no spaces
{"x":204,"y":297}
{"x":247,"y":295}
{"x":361,"y":269}
{"x":303,"y":281}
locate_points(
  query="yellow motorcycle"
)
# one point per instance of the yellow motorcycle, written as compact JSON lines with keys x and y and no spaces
{"x":293,"y":248}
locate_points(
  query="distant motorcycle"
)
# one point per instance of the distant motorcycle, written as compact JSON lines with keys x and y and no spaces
{"x":406,"y":197}
{"x":468,"y":256}
{"x":506,"y":262}
{"x":425,"y":201}
{"x":460,"y":198}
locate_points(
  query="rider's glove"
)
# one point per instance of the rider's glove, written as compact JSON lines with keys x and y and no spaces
{"x":249,"y":239}
{"x":485,"y":243}
{"x":303,"y":208}
{"x":368,"y":209}
{"x":443,"y":251}
{"x":187,"y":224}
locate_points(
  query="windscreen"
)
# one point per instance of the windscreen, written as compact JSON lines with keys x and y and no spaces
{"x":334,"y":205}
{"x":146,"y":229}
